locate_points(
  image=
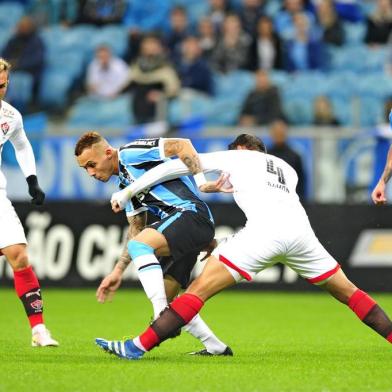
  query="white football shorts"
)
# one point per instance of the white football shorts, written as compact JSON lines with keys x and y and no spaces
{"x":253,"y":249}
{"x":11,"y":229}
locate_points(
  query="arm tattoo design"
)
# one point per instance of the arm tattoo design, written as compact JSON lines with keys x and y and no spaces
{"x":136,"y":225}
{"x":193,"y":163}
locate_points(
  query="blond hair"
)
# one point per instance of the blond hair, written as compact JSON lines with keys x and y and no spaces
{"x":5,"y":66}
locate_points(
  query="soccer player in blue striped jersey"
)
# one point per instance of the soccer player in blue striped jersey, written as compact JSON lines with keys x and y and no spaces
{"x":185,"y":226}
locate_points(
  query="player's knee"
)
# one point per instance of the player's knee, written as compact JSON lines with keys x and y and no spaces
{"x":136,"y":249}
{"x":19,"y":260}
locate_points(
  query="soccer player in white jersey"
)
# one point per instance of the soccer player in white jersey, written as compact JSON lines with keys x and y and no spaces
{"x":277,"y":230}
{"x":12,"y":236}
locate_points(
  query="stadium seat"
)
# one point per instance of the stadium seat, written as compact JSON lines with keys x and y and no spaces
{"x":114,"y":36}
{"x":188,"y":106}
{"x":10,"y":13}
{"x":375,"y":84}
{"x":371,"y":110}
{"x":299,"y":110}
{"x":20,"y":90}
{"x":94,"y":112}
{"x":354,"y":33}
{"x":54,"y":88}
{"x":343,"y":109}
{"x":70,"y":62}
{"x":349,"y":58}
{"x":236,"y":84}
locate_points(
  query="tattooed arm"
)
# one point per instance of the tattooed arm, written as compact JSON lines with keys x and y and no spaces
{"x":378,"y":194}
{"x":112,"y":282}
{"x":183,"y":148}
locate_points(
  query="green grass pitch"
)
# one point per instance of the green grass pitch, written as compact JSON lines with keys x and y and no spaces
{"x":281,"y":342}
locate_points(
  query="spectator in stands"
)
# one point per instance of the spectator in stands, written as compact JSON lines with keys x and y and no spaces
{"x":266,"y":50}
{"x":281,"y":149}
{"x":219,"y":9}
{"x":153,"y":80}
{"x":250,"y":13}
{"x":101,"y":12}
{"x":25,"y":51}
{"x":284,"y":19}
{"x":379,"y":23}
{"x":331,"y":25}
{"x":305,"y":50}
{"x":263,"y":105}
{"x":106,"y":75}
{"x":207,"y":36}
{"x":193,"y":70}
{"x":232,"y":49}
{"x":179,"y":29}
{"x":323,"y":112}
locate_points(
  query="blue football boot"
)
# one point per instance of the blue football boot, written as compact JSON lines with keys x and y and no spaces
{"x":122,"y":348}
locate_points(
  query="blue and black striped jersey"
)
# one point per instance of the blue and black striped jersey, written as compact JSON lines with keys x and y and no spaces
{"x":141,"y":155}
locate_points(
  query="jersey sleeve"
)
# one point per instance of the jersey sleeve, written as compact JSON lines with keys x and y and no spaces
{"x":134,"y":207}
{"x":142,"y":150}
{"x":23,"y":150}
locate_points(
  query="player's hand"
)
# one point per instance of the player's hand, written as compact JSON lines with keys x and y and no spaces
{"x":378,"y":194}
{"x":108,"y":287}
{"x":119,"y":200}
{"x":209,"y":249}
{"x":37,"y":194}
{"x":220,"y":185}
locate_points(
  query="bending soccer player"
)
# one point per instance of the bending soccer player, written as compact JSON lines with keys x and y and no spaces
{"x":185,"y":225}
{"x":12,"y":237}
{"x":277,"y":230}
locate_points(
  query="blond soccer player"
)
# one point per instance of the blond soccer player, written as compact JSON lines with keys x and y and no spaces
{"x":12,"y":237}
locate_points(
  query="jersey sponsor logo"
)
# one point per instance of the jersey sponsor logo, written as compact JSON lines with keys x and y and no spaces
{"x":143,"y":143}
{"x":5,"y":128}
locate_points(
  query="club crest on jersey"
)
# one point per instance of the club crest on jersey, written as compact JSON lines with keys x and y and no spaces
{"x":4,"y":128}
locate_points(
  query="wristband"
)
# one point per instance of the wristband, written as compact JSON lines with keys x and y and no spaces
{"x":200,"y":179}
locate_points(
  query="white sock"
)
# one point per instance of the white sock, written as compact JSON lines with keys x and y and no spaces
{"x":138,"y":344}
{"x":200,"y":330}
{"x":150,"y":275}
{"x":38,"y":328}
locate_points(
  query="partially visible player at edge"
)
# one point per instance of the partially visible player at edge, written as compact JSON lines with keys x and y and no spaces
{"x":378,"y":194}
{"x":277,"y":230}
{"x":185,"y":226}
{"x":12,"y":237}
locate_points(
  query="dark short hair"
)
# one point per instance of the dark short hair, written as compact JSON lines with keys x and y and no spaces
{"x":249,"y":141}
{"x":87,"y":140}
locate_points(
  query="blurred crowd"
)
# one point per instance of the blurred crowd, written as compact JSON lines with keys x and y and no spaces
{"x":176,"y":48}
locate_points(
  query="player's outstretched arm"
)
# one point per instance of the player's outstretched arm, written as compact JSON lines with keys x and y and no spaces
{"x":183,"y":149}
{"x":112,"y":282}
{"x":378,"y":194}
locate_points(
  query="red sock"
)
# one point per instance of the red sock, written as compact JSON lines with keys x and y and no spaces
{"x":184,"y":307}
{"x":361,"y":303}
{"x":28,"y":289}
{"x":187,"y":306}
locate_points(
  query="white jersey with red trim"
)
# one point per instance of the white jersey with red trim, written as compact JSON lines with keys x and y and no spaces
{"x":11,"y":128}
{"x":264,"y":185}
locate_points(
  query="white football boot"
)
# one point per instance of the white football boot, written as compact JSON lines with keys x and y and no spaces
{"x":41,"y":337}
